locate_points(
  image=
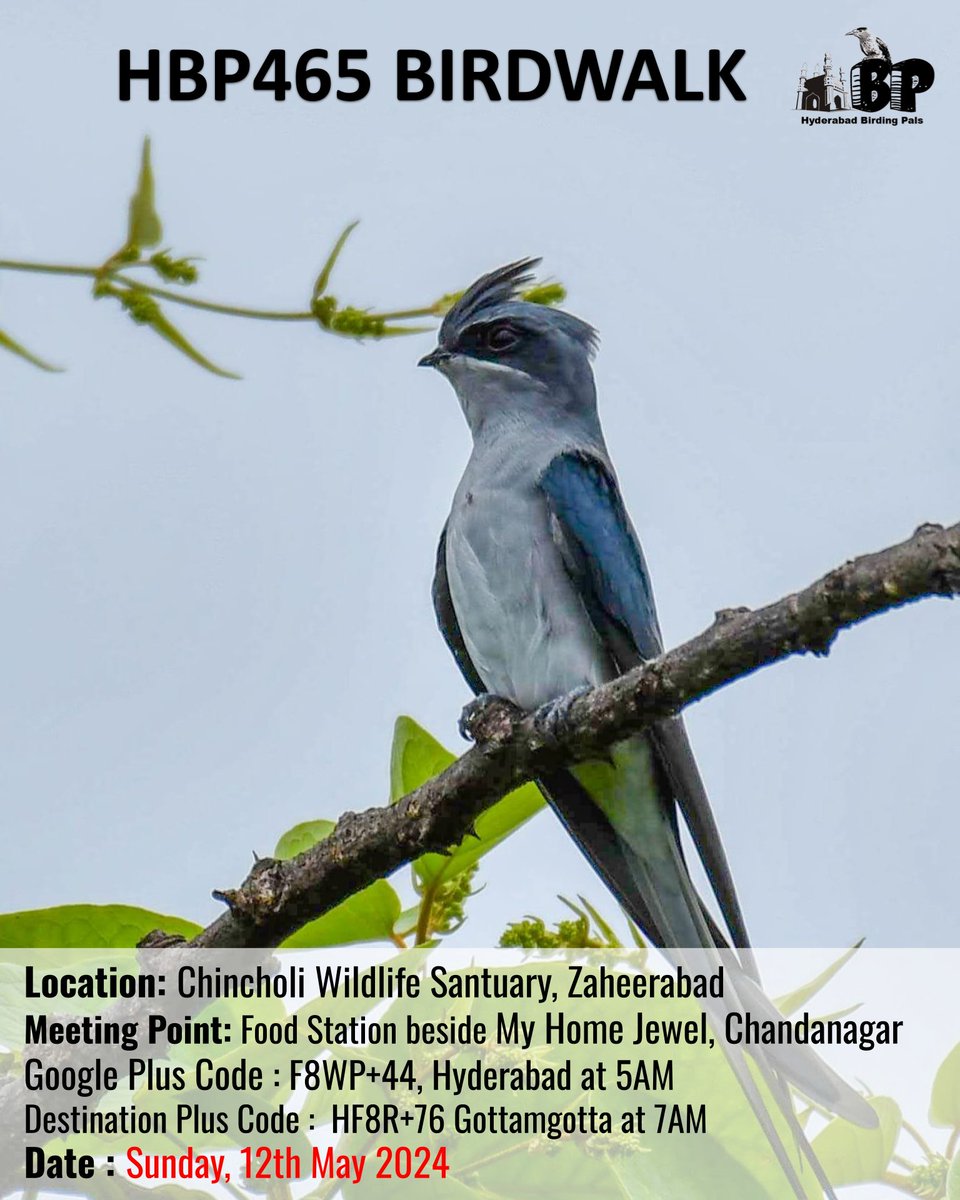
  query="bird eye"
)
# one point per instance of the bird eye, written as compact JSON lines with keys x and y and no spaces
{"x":500,"y":338}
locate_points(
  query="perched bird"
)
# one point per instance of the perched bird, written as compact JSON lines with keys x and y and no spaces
{"x":870,"y":44}
{"x":540,"y":591}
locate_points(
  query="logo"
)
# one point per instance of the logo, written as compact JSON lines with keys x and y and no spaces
{"x":874,"y":83}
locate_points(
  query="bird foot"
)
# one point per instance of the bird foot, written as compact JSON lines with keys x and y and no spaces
{"x":551,"y":718}
{"x":487,"y":717}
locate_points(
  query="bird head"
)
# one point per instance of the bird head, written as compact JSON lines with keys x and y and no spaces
{"x":858,"y":32}
{"x":499,"y":350}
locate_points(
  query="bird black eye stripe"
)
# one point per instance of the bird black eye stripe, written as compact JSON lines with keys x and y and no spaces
{"x":499,"y":337}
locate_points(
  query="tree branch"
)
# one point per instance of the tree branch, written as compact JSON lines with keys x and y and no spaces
{"x":278,"y":898}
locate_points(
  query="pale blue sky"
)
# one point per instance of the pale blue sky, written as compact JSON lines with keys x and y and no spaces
{"x":216,"y":594}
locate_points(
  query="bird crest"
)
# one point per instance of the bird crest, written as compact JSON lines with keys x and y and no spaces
{"x":496,"y":287}
{"x":503,"y":286}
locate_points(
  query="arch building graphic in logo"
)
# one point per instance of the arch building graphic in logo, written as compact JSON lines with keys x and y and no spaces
{"x":822,"y":93}
{"x":874,"y":83}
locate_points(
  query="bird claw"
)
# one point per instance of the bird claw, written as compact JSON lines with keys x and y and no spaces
{"x":550,"y":719}
{"x":482,"y":718}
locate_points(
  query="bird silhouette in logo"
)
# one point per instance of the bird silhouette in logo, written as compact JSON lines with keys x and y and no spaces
{"x":870,"y":44}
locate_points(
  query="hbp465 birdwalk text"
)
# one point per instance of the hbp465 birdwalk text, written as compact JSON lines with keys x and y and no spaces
{"x":470,"y":74}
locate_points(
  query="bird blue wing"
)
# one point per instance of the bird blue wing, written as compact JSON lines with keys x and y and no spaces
{"x":447,"y":619}
{"x":602,"y":555}
{"x":604,"y":560}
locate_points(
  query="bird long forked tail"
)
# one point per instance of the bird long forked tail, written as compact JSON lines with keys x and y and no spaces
{"x":623,"y":817}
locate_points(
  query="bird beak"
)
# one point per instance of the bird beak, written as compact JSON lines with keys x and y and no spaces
{"x":434,"y":358}
{"x":850,"y":33}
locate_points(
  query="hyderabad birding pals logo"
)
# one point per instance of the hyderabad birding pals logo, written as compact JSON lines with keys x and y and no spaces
{"x":877,"y":89}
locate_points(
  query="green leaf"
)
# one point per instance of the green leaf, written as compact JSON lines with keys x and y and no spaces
{"x":367,"y":916}
{"x":417,"y":757}
{"x":143,"y":225}
{"x":8,"y":343}
{"x":709,"y":1171}
{"x":850,"y":1154}
{"x":492,"y":827}
{"x":146,"y":311}
{"x":799,"y":996}
{"x":545,"y":293}
{"x":407,"y":920}
{"x":118,"y":1187}
{"x":301,"y":837}
{"x":604,"y":928}
{"x":945,"y":1098}
{"x":88,"y":926}
{"x":638,"y":939}
{"x":953,"y":1179}
{"x":323,"y":279}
